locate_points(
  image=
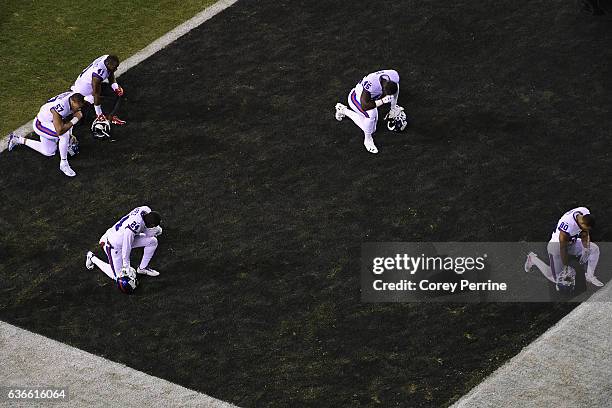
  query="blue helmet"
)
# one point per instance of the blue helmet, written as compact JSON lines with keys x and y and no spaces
{"x":126,"y":284}
{"x":566,"y":281}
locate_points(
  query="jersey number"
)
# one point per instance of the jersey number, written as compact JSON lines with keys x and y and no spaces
{"x":121,"y":221}
{"x":563,"y":226}
{"x":367,"y":85}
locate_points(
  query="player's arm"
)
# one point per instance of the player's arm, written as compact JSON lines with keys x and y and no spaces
{"x":395,"y":97}
{"x":586,"y":238}
{"x":126,"y":249}
{"x":564,"y":241}
{"x":116,"y":87}
{"x":96,"y":84}
{"x":60,"y":126}
{"x":366,"y":101}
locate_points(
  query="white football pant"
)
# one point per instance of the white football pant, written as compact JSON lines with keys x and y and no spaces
{"x":366,"y":120}
{"x":573,"y":249}
{"x":115,"y":258}
{"x":49,"y":140}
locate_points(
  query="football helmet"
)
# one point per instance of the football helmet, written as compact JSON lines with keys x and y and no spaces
{"x":73,"y":147}
{"x":127,"y":285}
{"x":127,"y":281}
{"x":566,"y":281}
{"x":100,"y":129}
{"x":396,"y":119}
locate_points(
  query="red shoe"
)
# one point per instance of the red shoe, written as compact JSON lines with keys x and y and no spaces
{"x":116,"y":121}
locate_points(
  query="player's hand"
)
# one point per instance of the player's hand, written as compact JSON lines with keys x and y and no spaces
{"x":101,"y":117}
{"x":78,"y":115}
{"x":73,"y":139}
{"x":584,"y":258}
{"x":394,"y":112}
{"x":387,"y":98}
{"x":117,"y":89}
{"x":128,"y":271}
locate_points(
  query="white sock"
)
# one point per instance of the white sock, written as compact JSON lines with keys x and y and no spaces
{"x":146,"y":257}
{"x":104,"y":267}
{"x":64,"y":141}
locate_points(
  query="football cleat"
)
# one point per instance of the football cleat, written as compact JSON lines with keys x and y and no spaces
{"x":88,"y":261}
{"x":529,"y":261}
{"x":370,"y":146}
{"x":147,"y":271}
{"x":593,"y":279}
{"x":12,"y":141}
{"x":340,"y":111}
{"x":116,"y":121}
{"x":65,"y":168}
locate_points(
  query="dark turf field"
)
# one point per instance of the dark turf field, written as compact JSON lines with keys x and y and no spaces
{"x":266,"y":198}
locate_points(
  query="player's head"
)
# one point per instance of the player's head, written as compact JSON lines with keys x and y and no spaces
{"x":586,"y":222}
{"x":112,"y":63}
{"x":152,"y":219}
{"x":389,"y":87}
{"x":77,"y":101}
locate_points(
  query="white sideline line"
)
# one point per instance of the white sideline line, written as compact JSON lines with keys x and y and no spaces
{"x":29,"y":360}
{"x":568,"y":366}
{"x":147,"y":51}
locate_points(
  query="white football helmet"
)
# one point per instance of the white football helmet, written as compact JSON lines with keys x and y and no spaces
{"x":566,"y":281}
{"x":73,"y":147}
{"x":100,"y":129}
{"x":396,"y":119}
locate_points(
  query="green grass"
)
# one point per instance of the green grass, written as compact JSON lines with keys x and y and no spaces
{"x":45,"y":44}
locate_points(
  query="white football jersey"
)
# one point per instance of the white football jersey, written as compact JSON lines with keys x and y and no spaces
{"x":95,"y":69}
{"x":130,"y":223}
{"x":371,"y":82}
{"x":567,"y":223}
{"x":59,"y":103}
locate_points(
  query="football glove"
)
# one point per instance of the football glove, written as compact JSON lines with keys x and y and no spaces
{"x":394,"y":112}
{"x":117,"y":89}
{"x":584,"y":258}
{"x":153,"y":232}
{"x":128,"y":271}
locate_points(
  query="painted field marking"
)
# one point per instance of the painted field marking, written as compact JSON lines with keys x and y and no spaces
{"x":567,"y":366}
{"x":30,"y":360}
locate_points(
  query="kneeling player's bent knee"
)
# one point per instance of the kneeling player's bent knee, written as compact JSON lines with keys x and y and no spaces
{"x":594,"y":249}
{"x":153,"y":242}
